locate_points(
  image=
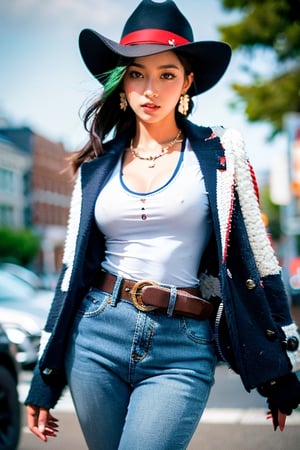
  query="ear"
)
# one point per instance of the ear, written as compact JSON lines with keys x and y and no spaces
{"x":187,"y":83}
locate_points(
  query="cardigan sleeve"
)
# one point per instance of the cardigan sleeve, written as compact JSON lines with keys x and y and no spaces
{"x":45,"y":390}
{"x":264,"y":255}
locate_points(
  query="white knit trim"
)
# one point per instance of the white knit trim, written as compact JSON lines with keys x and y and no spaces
{"x":72,"y":232}
{"x":45,"y":336}
{"x":294,"y":356}
{"x":225,"y":190}
{"x":265,"y":258}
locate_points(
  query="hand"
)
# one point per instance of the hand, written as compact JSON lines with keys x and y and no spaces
{"x":41,"y":422}
{"x":278,"y":419}
{"x":283,"y":395}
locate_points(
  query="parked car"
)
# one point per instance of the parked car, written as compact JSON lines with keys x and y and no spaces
{"x":24,"y":330}
{"x":45,"y":281}
{"x":10,"y":417}
{"x":24,"y":274}
{"x":23,"y":311}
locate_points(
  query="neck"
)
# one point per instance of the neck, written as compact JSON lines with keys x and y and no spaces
{"x":151,"y":138}
{"x":164,"y":150}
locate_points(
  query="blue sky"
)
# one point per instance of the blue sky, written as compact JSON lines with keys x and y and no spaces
{"x":44,"y":82}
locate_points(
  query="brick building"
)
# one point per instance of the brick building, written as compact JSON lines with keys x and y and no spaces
{"x":49,"y":190}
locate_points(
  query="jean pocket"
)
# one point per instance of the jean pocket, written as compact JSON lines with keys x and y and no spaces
{"x":199,"y":331}
{"x":93,"y":304}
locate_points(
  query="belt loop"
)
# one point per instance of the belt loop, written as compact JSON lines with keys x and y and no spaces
{"x":115,"y":292}
{"x":172,"y":301}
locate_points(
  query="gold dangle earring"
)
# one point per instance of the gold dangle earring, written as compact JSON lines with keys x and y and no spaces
{"x":184,"y":102}
{"x":123,"y":101}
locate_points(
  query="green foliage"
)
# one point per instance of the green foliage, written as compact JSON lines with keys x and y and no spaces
{"x":274,"y":26}
{"x":19,"y":246}
{"x":267,"y":101}
{"x":272,"y":212}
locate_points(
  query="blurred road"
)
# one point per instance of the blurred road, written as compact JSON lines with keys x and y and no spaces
{"x":233,"y":420}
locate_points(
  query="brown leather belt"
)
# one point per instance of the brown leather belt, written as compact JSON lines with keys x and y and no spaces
{"x":149,"y":296}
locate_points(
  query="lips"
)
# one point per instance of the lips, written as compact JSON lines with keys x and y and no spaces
{"x":150,"y":106}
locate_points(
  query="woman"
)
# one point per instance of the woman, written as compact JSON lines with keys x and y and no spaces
{"x":136,"y":325}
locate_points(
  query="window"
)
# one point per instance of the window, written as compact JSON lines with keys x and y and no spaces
{"x":6,"y":180}
{"x":6,"y":215}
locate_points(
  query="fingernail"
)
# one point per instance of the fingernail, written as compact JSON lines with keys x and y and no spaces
{"x":41,"y":428}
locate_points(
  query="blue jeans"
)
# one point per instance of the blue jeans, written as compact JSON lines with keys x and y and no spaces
{"x":139,"y":381}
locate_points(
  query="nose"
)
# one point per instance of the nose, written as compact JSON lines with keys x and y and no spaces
{"x":150,"y":94}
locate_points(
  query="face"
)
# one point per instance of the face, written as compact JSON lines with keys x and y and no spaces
{"x":154,"y":84}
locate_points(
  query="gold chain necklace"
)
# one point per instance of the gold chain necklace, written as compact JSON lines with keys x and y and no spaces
{"x":164,"y":151}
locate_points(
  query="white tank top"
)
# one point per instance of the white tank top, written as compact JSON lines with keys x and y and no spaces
{"x":160,"y":235}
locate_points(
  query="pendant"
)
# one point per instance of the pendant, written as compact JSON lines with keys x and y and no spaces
{"x":152,"y":160}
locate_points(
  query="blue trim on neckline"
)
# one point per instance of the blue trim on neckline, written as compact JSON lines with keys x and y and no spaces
{"x":179,"y":162}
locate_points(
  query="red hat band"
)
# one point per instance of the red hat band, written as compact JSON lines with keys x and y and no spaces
{"x":153,"y":36}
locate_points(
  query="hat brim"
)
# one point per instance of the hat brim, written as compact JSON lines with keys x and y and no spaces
{"x":209,"y":59}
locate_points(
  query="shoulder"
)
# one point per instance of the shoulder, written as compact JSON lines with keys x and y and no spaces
{"x":230,"y":137}
{"x":112,"y":151}
{"x":118,"y":142}
{"x":233,"y":138}
{"x":192,"y":130}
{"x":233,"y":143}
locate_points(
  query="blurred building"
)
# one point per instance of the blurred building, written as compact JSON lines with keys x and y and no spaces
{"x":42,"y":190}
{"x":15,"y":167}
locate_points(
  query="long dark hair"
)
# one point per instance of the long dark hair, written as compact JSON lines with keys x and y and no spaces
{"x":104,"y":115}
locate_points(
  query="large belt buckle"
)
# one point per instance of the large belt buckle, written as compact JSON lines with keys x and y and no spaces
{"x":136,"y":295}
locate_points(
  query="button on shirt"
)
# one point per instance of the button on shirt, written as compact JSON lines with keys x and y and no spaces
{"x":160,"y":235}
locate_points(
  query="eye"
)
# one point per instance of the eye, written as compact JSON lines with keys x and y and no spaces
{"x":135,"y":74}
{"x":168,"y":76}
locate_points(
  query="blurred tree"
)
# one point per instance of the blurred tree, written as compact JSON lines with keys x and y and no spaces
{"x":273,"y":27}
{"x":18,"y":246}
{"x":272,"y":212}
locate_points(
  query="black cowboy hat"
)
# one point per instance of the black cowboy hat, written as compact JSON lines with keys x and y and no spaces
{"x":155,"y":28}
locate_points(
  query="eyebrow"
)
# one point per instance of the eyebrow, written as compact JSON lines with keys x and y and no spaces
{"x":164,"y":66}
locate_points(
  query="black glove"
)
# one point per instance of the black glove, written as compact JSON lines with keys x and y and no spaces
{"x":282,"y":394}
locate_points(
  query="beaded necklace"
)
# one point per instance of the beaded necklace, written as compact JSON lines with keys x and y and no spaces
{"x":164,"y":151}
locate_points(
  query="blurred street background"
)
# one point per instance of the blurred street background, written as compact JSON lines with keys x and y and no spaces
{"x":44,"y":88}
{"x":233,"y":419}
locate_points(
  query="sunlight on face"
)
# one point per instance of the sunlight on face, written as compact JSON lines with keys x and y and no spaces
{"x":153,"y":85}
